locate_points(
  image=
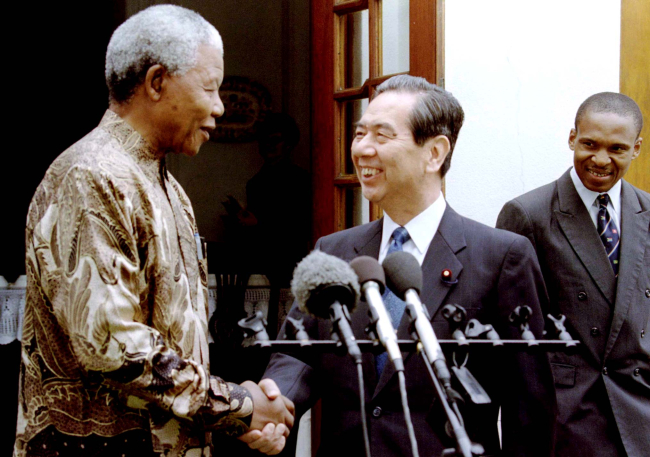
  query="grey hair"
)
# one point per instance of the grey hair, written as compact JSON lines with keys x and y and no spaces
{"x":611,"y":102}
{"x":168,"y":35}
{"x":437,"y":112}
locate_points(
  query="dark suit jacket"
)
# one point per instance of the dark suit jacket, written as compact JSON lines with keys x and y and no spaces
{"x":496,"y":271}
{"x":603,"y":389}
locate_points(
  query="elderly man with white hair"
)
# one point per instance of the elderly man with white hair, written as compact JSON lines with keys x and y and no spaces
{"x":114,"y":349}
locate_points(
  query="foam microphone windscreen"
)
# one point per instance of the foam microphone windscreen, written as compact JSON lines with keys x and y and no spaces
{"x":321,"y":279}
{"x":403,"y":272}
{"x":368,"y":269}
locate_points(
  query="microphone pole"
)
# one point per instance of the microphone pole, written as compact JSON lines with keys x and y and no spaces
{"x":325,"y":286}
{"x":404,"y":278}
{"x":372,"y":279}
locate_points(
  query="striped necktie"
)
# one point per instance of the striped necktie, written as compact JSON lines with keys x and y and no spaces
{"x":394,"y":305}
{"x":608,"y":232}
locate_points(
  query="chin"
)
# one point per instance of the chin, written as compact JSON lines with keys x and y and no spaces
{"x":191,"y":152}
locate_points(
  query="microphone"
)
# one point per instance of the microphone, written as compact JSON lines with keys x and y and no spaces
{"x":326,"y":287}
{"x":404,"y":278}
{"x":371,"y":278}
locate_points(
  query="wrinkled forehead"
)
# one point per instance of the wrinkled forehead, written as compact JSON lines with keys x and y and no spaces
{"x":606,"y":121}
{"x":389,"y":109}
{"x":209,"y":59}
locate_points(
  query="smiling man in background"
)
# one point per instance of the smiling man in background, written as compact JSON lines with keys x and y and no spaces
{"x":114,"y":347}
{"x":591,"y":231}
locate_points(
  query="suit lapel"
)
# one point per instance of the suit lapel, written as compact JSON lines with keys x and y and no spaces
{"x":369,"y":241}
{"x":635,"y":241}
{"x":448,"y":240}
{"x":573,"y":217}
{"x":367,"y":244}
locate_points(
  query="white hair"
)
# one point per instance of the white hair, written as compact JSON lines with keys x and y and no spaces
{"x":168,"y":35}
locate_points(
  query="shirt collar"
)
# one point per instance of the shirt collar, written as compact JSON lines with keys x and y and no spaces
{"x":133,"y":144}
{"x":589,"y":196}
{"x":421,"y":228}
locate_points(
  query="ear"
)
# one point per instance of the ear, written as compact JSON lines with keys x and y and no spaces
{"x":572,"y":139}
{"x":439,"y":147}
{"x":637,"y":148}
{"x":153,"y":82}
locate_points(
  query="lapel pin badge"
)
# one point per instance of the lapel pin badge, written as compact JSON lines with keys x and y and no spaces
{"x":446,"y":277}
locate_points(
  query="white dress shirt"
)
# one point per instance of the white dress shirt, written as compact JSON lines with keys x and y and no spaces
{"x":589,"y":199}
{"x":421,"y":229}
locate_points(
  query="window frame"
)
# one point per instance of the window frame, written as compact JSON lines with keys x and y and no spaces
{"x":328,"y":92}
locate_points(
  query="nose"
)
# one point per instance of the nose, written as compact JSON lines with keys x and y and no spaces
{"x":601,"y":158}
{"x":217,"y":107}
{"x":363,"y":147}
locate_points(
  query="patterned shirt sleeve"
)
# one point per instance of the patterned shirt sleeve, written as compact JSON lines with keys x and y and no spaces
{"x":101,"y":252}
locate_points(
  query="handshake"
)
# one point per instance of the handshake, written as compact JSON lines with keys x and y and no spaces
{"x":273,"y":417}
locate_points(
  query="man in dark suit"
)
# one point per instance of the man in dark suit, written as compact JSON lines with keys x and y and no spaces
{"x":603,"y":388}
{"x":401,"y":151}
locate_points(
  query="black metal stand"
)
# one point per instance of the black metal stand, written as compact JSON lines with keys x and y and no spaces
{"x":480,"y":337}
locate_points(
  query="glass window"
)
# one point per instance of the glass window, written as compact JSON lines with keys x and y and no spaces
{"x":357,"y":208}
{"x":354,"y":50}
{"x":351,"y":112}
{"x":395,"y":36}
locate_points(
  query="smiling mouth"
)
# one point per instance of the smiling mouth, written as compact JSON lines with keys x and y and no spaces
{"x":369,"y":172}
{"x":207,"y":131}
{"x":599,"y":175}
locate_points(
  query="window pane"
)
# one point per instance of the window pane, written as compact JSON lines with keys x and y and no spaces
{"x":352,"y":111}
{"x":395,"y":39}
{"x":355,"y":60}
{"x":357,"y":208}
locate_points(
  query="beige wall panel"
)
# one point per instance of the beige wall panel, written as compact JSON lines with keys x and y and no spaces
{"x":635,"y":78}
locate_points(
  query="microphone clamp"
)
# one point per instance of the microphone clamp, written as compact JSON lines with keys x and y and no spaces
{"x":296,"y":328}
{"x":475,"y":329}
{"x":456,"y":316}
{"x":520,"y":317}
{"x":561,"y":330}
{"x":256,"y":326}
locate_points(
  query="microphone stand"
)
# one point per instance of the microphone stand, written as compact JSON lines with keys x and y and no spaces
{"x":399,"y":368}
{"x":464,"y":446}
{"x":255,"y":326}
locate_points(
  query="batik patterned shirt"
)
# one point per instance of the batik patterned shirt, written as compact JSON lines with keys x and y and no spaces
{"x":115,"y":327}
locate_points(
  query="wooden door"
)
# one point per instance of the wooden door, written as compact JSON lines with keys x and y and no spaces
{"x":356,"y":45}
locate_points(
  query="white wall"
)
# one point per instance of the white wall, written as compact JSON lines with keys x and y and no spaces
{"x":520,"y":69}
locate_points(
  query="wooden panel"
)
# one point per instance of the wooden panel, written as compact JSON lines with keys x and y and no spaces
{"x":423,"y":39}
{"x":322,"y":117}
{"x":375,"y":30}
{"x":354,"y":93}
{"x":352,"y":6}
{"x":635,"y":79}
{"x":347,"y":181}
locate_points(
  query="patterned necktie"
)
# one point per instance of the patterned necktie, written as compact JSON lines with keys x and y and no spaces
{"x":394,"y":305}
{"x":608,"y":232}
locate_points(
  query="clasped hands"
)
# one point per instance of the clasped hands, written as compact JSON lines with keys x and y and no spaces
{"x":273,"y":417}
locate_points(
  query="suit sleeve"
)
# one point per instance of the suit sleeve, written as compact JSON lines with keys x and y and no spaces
{"x":295,"y":374}
{"x":528,"y":405}
{"x":514,"y":218}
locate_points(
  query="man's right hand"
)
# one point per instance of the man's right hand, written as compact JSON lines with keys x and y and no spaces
{"x":273,"y":417}
{"x":270,"y":406}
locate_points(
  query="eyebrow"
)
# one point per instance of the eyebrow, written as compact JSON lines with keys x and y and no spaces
{"x":378,"y":125}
